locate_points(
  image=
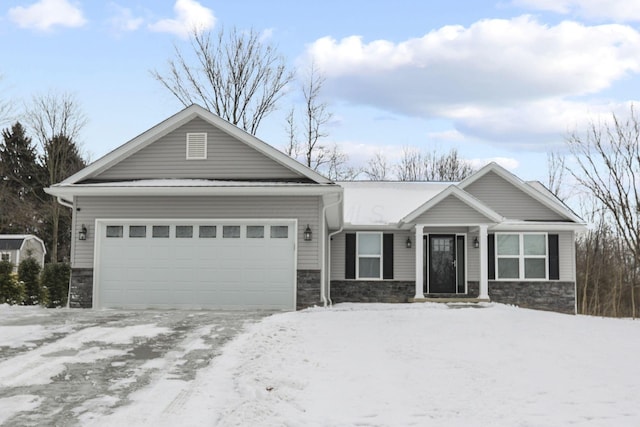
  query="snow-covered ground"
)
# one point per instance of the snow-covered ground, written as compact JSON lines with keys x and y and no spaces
{"x":402,"y":365}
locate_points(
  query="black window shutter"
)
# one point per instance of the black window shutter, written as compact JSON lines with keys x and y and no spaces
{"x":554,"y":257}
{"x":350,"y":256}
{"x":387,"y":256}
{"x":492,"y":256}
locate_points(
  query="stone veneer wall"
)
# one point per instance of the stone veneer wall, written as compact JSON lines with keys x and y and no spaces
{"x":550,"y":296}
{"x":371,"y":291}
{"x":308,"y":289}
{"x":81,"y":288}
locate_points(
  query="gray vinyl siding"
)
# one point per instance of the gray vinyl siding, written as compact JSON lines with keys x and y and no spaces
{"x":304,"y":209}
{"x":451,"y":211}
{"x":508,"y":200}
{"x":227,"y":158}
{"x":404,"y":260}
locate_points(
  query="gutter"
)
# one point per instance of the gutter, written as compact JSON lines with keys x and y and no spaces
{"x":325,"y":287}
{"x":64,"y":202}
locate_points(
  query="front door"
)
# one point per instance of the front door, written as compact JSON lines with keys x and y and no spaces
{"x":442,"y":256}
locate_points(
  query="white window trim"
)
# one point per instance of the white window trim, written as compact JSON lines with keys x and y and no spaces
{"x":199,"y":134}
{"x":2,"y":254}
{"x":521,"y":257}
{"x":358,"y":256}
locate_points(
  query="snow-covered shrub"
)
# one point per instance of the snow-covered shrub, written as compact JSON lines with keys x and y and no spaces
{"x":11,"y":289}
{"x":29,"y":273}
{"x":55,"y":279}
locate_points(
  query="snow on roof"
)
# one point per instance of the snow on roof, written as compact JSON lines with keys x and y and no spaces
{"x":383,"y":202}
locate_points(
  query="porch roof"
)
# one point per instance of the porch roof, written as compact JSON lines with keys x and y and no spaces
{"x":380,"y":203}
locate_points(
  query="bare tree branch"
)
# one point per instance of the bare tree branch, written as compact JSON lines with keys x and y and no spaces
{"x":235,"y":75}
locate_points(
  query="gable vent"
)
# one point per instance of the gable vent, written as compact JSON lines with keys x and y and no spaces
{"x":196,"y":146}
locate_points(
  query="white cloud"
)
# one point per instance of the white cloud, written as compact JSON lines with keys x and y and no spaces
{"x":497,"y":79}
{"x":123,"y":20}
{"x":190,"y":15}
{"x":616,"y":10}
{"x":45,"y":14}
{"x":447,"y":135}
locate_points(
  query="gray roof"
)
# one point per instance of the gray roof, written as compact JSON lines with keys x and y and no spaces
{"x":11,"y":244}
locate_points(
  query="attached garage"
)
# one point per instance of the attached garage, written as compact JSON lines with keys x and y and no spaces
{"x":227,"y":264}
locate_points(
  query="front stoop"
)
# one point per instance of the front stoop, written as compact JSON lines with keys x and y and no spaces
{"x":450,"y":300}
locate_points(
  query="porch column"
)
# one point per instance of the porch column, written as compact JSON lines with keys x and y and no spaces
{"x":484,"y":261}
{"x":419,"y":261}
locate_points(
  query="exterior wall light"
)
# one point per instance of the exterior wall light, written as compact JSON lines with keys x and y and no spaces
{"x":476,"y":244}
{"x":82,"y":234}
{"x":408,"y":242}
{"x":307,"y":234}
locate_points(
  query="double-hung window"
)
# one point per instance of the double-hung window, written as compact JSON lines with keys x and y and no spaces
{"x":369,"y":253}
{"x":521,"y":256}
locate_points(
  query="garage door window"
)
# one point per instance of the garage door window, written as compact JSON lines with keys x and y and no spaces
{"x":184,"y":231}
{"x":279,"y":232}
{"x":160,"y":231}
{"x":255,"y":231}
{"x":114,"y":231}
{"x":231,"y":231}
{"x":207,"y":231}
{"x":137,"y":231}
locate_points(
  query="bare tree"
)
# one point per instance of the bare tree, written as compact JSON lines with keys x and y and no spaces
{"x":411,"y":166}
{"x":307,"y":146}
{"x":448,"y":167}
{"x":557,"y":171}
{"x":607,"y":165}
{"x":56,"y":120}
{"x":236,"y":75}
{"x":378,"y":168}
{"x":6,"y":109}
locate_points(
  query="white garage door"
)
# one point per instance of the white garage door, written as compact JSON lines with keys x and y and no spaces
{"x":191,"y":264}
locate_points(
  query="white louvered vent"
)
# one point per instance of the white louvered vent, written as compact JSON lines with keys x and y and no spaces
{"x":196,"y":146}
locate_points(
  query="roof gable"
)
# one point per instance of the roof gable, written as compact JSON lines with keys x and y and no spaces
{"x":15,"y":242}
{"x":227,"y":141}
{"x":451,"y":206}
{"x":513,"y":198}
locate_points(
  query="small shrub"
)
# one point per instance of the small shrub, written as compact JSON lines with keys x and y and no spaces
{"x":29,"y":273}
{"x":11,"y":290}
{"x":55,"y":280}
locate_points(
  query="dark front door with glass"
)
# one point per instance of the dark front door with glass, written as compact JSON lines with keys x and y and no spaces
{"x":445,"y":255}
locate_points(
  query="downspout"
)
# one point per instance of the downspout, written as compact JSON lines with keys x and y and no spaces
{"x":64,"y":202}
{"x":69,"y":205}
{"x":324,"y":287}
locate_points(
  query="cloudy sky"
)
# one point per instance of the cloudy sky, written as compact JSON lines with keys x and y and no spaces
{"x":496,"y":79}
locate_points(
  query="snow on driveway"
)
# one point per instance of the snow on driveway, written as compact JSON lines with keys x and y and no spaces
{"x":403,"y":365}
{"x":69,"y":367}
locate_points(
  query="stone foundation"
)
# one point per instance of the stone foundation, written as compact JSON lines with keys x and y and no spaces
{"x":81,"y":288}
{"x":371,"y":291}
{"x":308,"y":289}
{"x":549,"y":296}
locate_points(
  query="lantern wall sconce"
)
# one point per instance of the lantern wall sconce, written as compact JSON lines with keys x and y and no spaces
{"x":476,"y":243}
{"x":307,"y":234}
{"x":82,"y":234}
{"x":408,"y":243}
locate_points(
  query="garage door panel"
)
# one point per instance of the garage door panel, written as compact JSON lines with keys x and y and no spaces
{"x":197,"y":272}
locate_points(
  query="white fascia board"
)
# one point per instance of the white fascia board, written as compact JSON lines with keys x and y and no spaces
{"x":370,"y":227}
{"x":539,"y":226}
{"x":295,"y":190}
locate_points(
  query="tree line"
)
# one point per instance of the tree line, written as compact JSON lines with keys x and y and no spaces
{"x":38,"y":150}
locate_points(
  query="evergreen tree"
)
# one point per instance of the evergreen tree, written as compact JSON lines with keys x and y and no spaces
{"x":21,"y":191}
{"x":61,"y":159}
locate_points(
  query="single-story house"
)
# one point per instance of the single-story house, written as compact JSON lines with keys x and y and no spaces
{"x":16,"y":247}
{"x":195,"y":212}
